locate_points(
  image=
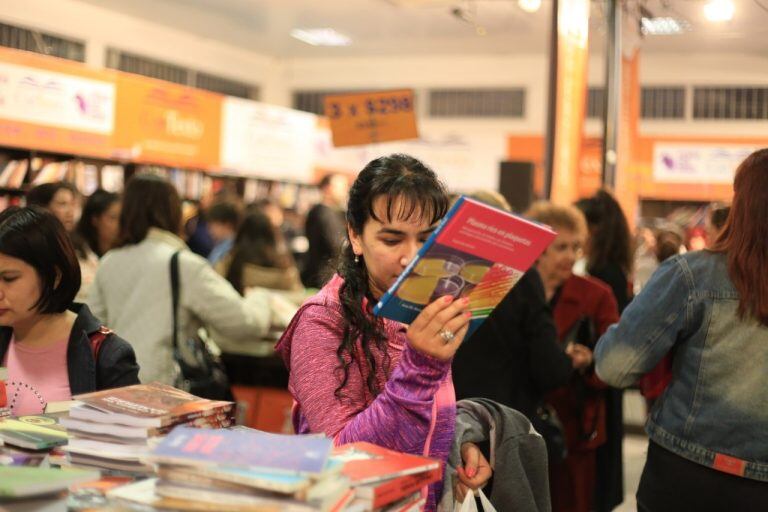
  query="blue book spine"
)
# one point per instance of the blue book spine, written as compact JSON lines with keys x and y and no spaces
{"x":396,"y":309}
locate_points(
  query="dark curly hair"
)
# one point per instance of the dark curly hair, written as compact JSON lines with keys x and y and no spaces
{"x":412,"y":191}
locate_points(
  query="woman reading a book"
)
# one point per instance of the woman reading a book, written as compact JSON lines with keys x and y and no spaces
{"x":52,"y":347}
{"x":357,"y":377}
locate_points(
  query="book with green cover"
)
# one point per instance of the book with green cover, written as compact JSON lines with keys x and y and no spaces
{"x":33,"y":432}
{"x":21,"y":482}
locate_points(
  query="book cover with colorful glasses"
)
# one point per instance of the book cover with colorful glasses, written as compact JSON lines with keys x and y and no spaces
{"x":477,"y":251}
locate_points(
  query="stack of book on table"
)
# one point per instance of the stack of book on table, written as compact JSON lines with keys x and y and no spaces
{"x":241,"y":470}
{"x":115,"y":428}
{"x":386,"y":480}
{"x":245,"y":470}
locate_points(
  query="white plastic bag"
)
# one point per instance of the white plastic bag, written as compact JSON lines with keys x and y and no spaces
{"x":470,"y":505}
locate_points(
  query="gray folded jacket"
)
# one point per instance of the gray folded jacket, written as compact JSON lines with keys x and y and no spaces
{"x":518,"y":456}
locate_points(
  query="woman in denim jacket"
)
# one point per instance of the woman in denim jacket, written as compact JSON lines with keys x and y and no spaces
{"x":709,"y":430}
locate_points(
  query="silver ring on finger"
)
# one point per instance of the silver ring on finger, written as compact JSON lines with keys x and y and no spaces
{"x":447,"y":335}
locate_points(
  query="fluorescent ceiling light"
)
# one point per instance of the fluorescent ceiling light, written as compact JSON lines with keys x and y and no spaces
{"x":529,"y":5}
{"x":662,"y":26}
{"x":719,"y":10}
{"x":321,"y":36}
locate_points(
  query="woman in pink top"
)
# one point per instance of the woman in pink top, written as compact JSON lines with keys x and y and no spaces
{"x":53,"y":348}
{"x":357,"y":377}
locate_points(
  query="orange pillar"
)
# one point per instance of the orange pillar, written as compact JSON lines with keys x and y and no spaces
{"x":572,"y":39}
{"x":627,"y":173}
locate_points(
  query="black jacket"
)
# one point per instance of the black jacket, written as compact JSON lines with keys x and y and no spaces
{"x":610,"y":476}
{"x":612,"y":275}
{"x":116,"y":366}
{"x":514,"y":357}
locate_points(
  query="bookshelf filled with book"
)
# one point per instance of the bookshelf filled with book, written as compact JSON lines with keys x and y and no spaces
{"x":23,"y":169}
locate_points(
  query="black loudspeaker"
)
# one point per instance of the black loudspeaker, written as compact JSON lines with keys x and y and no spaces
{"x":516,"y":184}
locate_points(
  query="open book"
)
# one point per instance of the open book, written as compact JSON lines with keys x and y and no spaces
{"x":477,"y":251}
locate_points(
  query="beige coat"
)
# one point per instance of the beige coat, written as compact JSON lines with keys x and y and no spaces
{"x":132,"y":295}
{"x":285,"y":279}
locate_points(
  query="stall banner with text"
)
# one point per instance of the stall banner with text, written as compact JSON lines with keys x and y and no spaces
{"x":167,"y":124}
{"x":267,"y":141}
{"x":698,"y":163}
{"x":371,"y":117}
{"x":51,"y":104}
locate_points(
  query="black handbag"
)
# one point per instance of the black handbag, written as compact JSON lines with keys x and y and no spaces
{"x":198,"y":369}
{"x":545,"y":419}
{"x":548,"y":425}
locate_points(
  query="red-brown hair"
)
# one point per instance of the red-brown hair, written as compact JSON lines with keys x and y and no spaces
{"x":744,"y":238}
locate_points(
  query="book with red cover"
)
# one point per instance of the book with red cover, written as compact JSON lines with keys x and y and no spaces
{"x":380,"y":494}
{"x":366,"y":463}
{"x":152,"y":405}
{"x":477,"y":251}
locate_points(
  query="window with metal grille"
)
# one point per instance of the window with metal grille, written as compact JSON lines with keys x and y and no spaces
{"x":40,"y":42}
{"x":662,"y":102}
{"x":226,"y":86}
{"x":140,"y":65}
{"x":595,"y":102}
{"x":477,"y":102}
{"x":313,"y":101}
{"x":730,"y":103}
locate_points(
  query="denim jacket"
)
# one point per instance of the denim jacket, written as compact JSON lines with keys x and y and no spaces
{"x":715,"y":410}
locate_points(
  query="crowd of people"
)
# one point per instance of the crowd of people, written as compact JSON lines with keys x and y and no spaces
{"x":87,"y":303}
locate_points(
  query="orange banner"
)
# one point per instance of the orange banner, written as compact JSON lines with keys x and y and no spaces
{"x":168,"y":124}
{"x":51,"y":104}
{"x":367,"y":118}
{"x":627,"y":178}
{"x":572,"y":30}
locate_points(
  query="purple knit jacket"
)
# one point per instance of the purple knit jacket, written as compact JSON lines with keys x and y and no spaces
{"x":414,"y":413}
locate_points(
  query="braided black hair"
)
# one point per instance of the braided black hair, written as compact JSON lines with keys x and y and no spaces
{"x":412,"y":191}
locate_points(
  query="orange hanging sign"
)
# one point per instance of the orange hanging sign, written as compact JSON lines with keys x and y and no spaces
{"x":371,"y":117}
{"x":167,"y":124}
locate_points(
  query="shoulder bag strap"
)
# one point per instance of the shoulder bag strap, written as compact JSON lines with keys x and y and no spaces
{"x":97,"y":339}
{"x":175,"y":296}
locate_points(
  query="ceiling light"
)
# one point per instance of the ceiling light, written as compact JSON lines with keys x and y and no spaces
{"x":662,"y":26}
{"x":719,"y":10}
{"x":529,"y":5}
{"x":321,"y":36}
